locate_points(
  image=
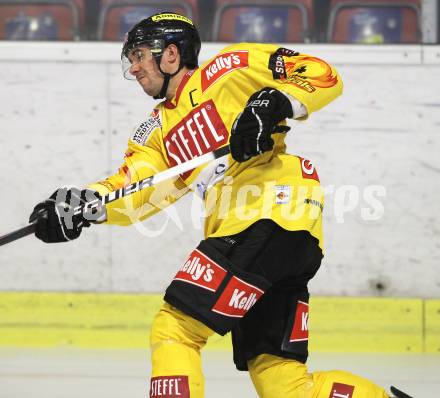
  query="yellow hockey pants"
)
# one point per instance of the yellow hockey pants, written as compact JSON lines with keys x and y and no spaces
{"x":176,"y":340}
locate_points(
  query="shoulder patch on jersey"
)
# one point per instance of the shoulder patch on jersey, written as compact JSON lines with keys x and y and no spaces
{"x":223,"y":64}
{"x":300,"y":70}
{"x":143,"y":131}
{"x":277,"y":64}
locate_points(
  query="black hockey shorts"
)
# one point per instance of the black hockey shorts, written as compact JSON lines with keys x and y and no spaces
{"x":254,"y":284}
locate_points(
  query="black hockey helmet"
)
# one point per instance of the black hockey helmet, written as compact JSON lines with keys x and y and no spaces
{"x":157,"y":32}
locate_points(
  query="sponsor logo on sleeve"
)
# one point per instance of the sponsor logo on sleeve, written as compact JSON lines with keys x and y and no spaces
{"x":300,"y":330}
{"x":169,"y":387}
{"x":308,"y":169}
{"x":237,"y":298}
{"x":303,"y":71}
{"x":222,"y":65}
{"x":143,"y":131}
{"x":276,"y":62}
{"x":340,"y":390}
{"x":200,"y":132}
{"x":201,"y":271}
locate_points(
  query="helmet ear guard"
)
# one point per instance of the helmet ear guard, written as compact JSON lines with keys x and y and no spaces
{"x":157,"y":32}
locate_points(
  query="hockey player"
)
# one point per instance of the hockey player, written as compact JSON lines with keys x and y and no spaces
{"x":263,"y":229}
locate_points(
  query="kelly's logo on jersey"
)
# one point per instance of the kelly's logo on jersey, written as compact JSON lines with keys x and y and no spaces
{"x":237,"y":298}
{"x":201,"y":271}
{"x":303,"y":71}
{"x":223,"y":64}
{"x":200,"y":132}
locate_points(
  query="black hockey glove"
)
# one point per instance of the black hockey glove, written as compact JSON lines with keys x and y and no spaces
{"x":55,"y":219}
{"x":252,"y":129}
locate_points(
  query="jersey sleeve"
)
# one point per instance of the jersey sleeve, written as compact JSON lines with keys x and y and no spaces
{"x":143,"y":158}
{"x":306,"y":79}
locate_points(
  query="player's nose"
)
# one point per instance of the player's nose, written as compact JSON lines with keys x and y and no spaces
{"x":134,"y":69}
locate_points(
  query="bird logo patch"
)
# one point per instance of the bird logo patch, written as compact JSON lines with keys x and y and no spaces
{"x":303,"y":71}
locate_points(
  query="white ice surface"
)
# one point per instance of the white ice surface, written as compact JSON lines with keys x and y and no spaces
{"x":74,"y":373}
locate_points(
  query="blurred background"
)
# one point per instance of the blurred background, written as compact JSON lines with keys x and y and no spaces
{"x":303,"y":21}
{"x":66,"y":114}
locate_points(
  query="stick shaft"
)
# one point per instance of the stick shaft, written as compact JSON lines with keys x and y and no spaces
{"x":147,"y":182}
{"x":152,"y":180}
{"x":189,"y":165}
{"x":17,"y":234}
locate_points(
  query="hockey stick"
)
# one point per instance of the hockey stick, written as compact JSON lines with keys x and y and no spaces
{"x":127,"y":190}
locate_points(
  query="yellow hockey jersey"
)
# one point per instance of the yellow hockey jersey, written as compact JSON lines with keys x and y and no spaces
{"x":198,"y":120}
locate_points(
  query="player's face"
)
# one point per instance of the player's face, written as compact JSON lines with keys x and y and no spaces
{"x":144,"y":68}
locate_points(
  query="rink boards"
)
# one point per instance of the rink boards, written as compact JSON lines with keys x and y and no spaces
{"x":337,"y":324}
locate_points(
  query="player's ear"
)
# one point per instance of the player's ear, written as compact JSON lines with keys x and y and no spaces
{"x":172,"y":53}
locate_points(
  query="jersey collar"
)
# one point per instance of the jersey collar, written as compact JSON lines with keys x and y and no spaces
{"x":172,"y":103}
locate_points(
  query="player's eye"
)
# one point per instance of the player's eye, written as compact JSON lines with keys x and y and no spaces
{"x":139,"y":56}
{"x":136,"y":57}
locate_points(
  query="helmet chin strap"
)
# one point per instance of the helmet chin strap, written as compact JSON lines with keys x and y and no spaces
{"x":166,"y":81}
